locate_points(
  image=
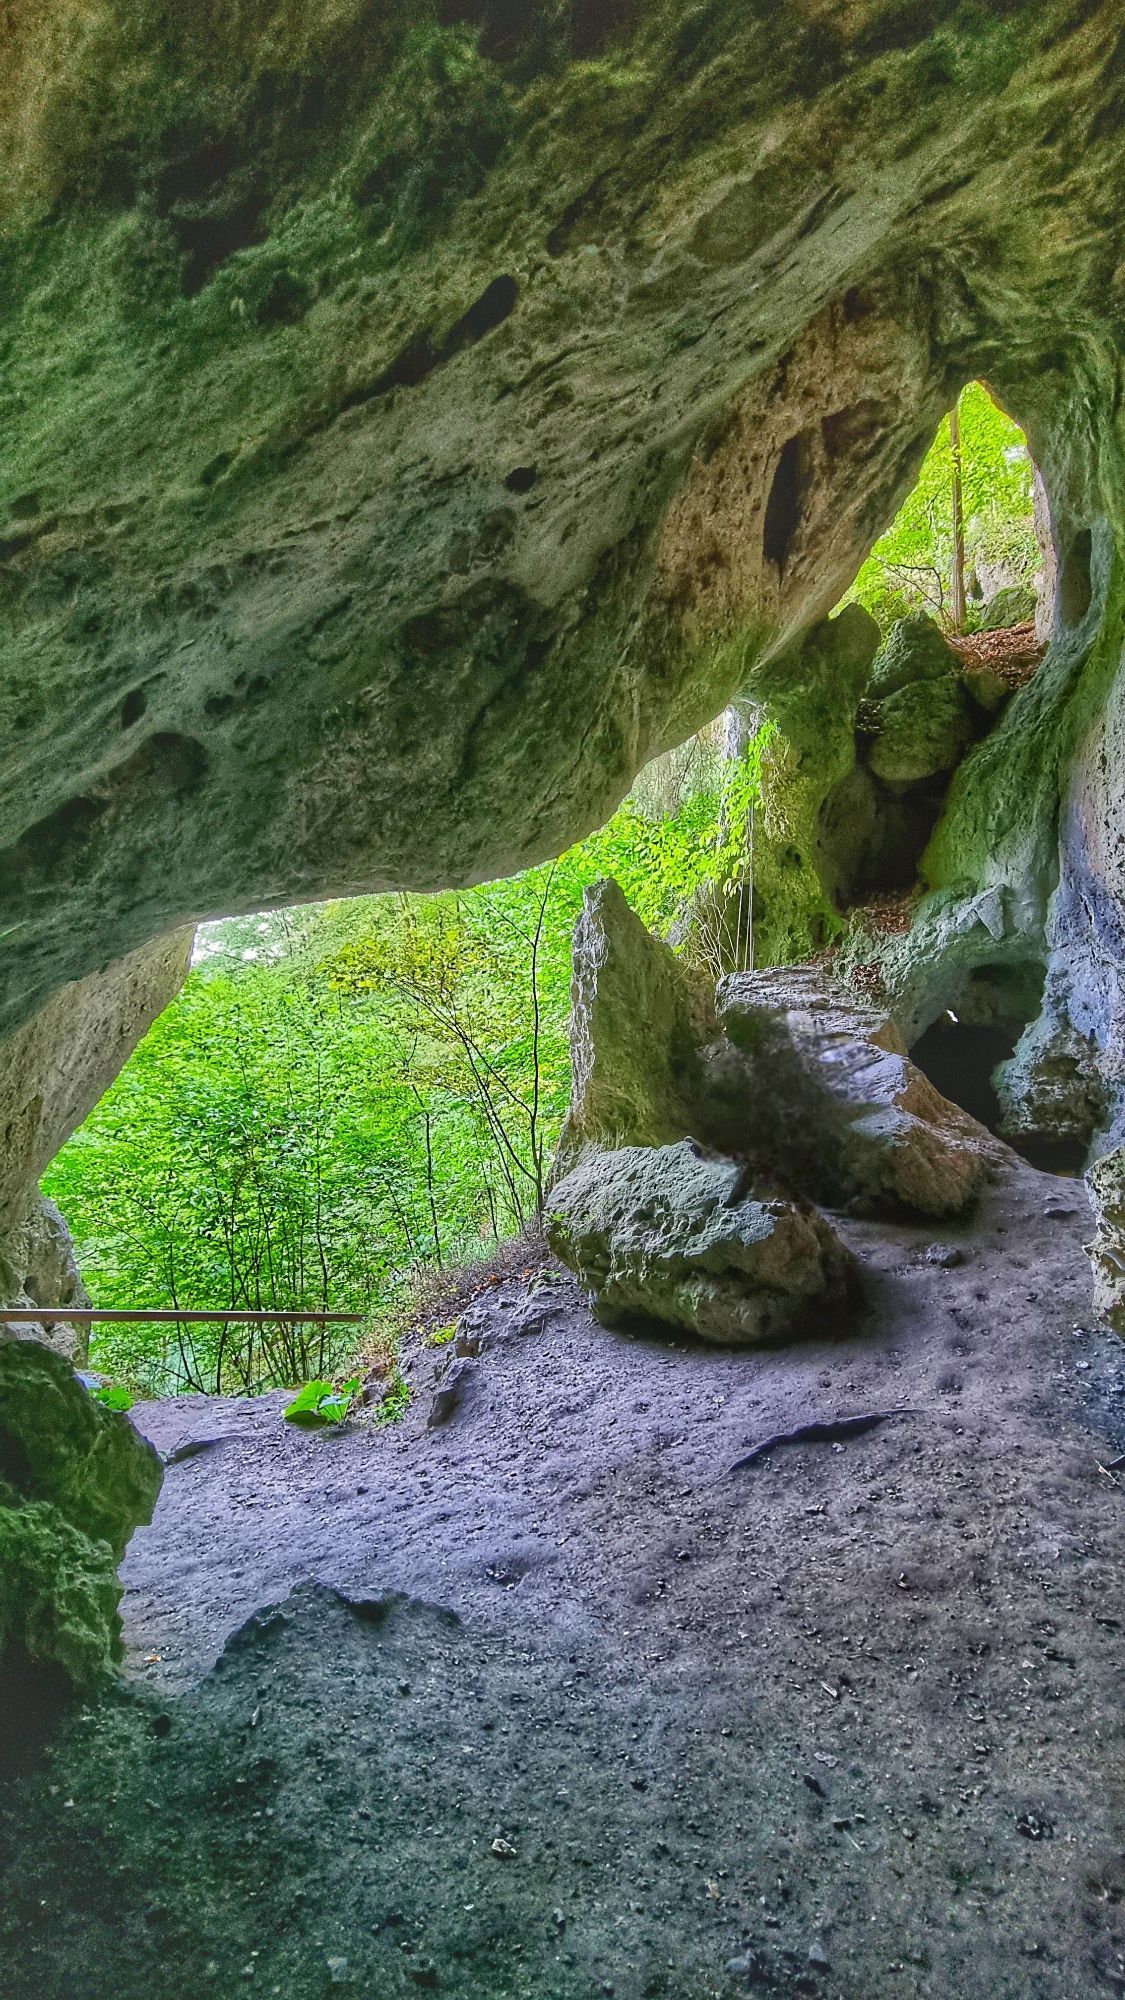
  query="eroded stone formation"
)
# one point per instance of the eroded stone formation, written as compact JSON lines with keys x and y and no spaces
{"x":75,"y":1480}
{"x":703,"y":1127}
{"x":418,"y":415}
{"x":862,"y":737}
{"x":52,"y":1073}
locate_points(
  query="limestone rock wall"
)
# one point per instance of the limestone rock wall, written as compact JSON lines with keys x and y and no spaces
{"x":1024,"y":915}
{"x":417,"y":417}
{"x":53,"y":1070}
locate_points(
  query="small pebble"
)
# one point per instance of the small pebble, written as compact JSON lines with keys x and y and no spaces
{"x":945,"y":1255}
{"x":818,"y":1958}
{"x":339,"y":1971}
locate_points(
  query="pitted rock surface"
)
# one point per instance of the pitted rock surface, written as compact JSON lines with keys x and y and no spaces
{"x":412,"y":424}
{"x":666,"y":1233}
{"x":845,"y":1113}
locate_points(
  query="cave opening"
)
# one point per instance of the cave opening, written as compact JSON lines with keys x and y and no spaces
{"x":968,"y":544}
{"x":960,"y":1059}
{"x":349,"y":1101}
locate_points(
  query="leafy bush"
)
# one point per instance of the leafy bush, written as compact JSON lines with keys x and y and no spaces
{"x":395,"y":1401}
{"x":113,"y":1397}
{"x":319,"y":1403}
{"x":440,"y":1336}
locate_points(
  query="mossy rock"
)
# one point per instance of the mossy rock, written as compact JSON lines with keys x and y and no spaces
{"x":76,"y":1480}
{"x":922,"y":729}
{"x":59,"y":1595}
{"x":62,"y":1447}
{"x":816,"y":816}
{"x":633,"y":1033}
{"x":664,"y":1234}
{"x":469,"y":397}
{"x":914,"y":650}
{"x":1013,"y":605}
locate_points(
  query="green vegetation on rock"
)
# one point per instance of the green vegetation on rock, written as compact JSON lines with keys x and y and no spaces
{"x":75,"y":1480}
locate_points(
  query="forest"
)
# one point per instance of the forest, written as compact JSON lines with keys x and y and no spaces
{"x":348,"y":1095}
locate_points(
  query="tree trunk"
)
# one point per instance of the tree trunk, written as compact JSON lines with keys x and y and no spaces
{"x":958,"y":595}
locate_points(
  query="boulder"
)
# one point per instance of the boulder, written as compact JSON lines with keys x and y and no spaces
{"x":1015,"y":604}
{"x":1050,"y":1089}
{"x":75,"y":1480}
{"x":915,"y":712}
{"x":986,"y":689}
{"x":1105,"y":1185}
{"x":835,"y":1107}
{"x":815,"y":814}
{"x":667,"y":1233}
{"x":919,"y":730}
{"x":634,"y":1033}
{"x":699,"y":1133}
{"x":38,"y":1268}
{"x":914,"y":650}
{"x":460,"y":1383}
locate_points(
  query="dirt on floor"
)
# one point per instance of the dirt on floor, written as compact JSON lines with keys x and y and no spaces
{"x":549,"y":1703}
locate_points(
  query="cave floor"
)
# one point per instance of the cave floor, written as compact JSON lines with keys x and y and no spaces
{"x":845,"y":1723}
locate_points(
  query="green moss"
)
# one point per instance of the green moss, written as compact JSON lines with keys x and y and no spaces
{"x":913,"y":650}
{"x":921,"y":730}
{"x":77,"y":1480}
{"x":59,"y":1594}
{"x":238,"y":247}
{"x":811,"y":696}
{"x":73,"y":1453}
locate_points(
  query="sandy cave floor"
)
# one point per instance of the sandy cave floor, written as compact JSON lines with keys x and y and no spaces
{"x":845,"y":1723}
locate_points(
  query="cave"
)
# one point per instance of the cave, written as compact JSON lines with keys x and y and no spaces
{"x":417,"y":421}
{"x":960,"y":1060}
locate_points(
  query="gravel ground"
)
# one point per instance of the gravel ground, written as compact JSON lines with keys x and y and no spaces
{"x":845,"y":1722}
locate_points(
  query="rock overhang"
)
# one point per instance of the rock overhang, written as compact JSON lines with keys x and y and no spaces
{"x":417,"y":418}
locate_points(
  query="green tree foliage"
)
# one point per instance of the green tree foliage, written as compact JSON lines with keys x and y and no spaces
{"x":345,"y":1093}
{"x":911,"y":566}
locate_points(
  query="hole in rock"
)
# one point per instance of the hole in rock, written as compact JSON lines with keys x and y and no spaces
{"x":421,"y":355}
{"x":133,"y":707}
{"x":1076,"y":588}
{"x":960,"y":1059}
{"x":486,"y":313}
{"x":786,"y":501}
{"x":504,"y":25}
{"x":208,"y":241}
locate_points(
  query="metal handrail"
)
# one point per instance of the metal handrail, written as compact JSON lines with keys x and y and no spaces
{"x":164,"y":1315}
